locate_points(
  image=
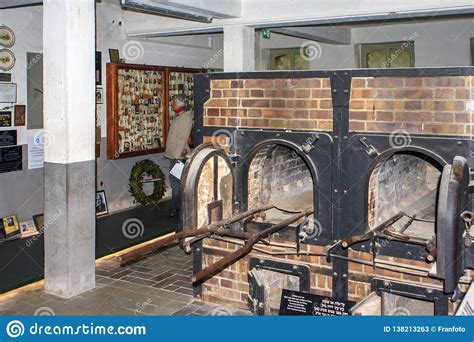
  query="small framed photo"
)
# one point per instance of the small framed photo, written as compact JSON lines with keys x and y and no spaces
{"x":20,"y":115}
{"x":5,"y":119}
{"x":114,"y":56}
{"x":101,"y":203}
{"x":27,"y":229}
{"x":10,"y":226}
{"x":99,"y":96}
{"x":39,"y":222}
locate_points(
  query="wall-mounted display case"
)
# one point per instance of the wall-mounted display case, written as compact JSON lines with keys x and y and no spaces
{"x":139,"y":106}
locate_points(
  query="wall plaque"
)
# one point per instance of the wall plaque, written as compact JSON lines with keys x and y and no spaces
{"x":8,"y":138}
{"x":295,"y":303}
{"x":5,"y":77}
{"x":11,"y":159}
{"x":7,"y":92}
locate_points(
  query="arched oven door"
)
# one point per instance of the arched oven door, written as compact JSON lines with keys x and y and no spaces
{"x":453,"y":200}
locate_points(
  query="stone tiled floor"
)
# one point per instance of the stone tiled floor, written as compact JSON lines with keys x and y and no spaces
{"x":157,"y":285}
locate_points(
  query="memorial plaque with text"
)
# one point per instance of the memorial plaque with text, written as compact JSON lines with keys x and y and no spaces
{"x":8,"y":138}
{"x":295,"y":303}
{"x":11,"y":159}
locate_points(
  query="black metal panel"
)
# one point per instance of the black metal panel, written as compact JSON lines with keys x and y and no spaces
{"x":247,"y":143}
{"x":450,"y":227}
{"x":302,"y":271}
{"x":440,"y":300}
{"x":257,"y":291}
{"x":340,"y":90}
{"x":360,"y":164}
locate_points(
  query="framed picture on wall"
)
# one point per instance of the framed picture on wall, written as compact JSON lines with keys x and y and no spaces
{"x":388,"y":55}
{"x":101,"y":204}
{"x":5,"y":119}
{"x":10,"y":226}
{"x":20,"y":115}
{"x":288,"y":59}
{"x":114,"y":56}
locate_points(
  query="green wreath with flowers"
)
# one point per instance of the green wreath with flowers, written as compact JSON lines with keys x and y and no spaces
{"x":137,"y":179}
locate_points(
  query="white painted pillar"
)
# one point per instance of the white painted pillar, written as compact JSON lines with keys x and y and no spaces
{"x":69,"y":131}
{"x":239,"y":48}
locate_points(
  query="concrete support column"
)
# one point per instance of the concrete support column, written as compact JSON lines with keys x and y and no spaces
{"x":239,"y":48}
{"x":69,"y":131}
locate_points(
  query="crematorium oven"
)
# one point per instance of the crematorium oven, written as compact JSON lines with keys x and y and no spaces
{"x":348,"y":185}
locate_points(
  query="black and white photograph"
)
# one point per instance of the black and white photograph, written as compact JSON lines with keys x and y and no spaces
{"x":101,"y":203}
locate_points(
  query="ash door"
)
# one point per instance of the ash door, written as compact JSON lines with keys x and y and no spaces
{"x":207,"y":187}
{"x":452,"y":201}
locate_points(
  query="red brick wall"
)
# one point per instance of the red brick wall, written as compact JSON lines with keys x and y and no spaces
{"x":298,"y":104}
{"x":419,"y":105}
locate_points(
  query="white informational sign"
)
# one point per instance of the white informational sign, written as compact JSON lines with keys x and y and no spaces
{"x":35,"y":152}
{"x":177,"y":170}
{"x":7,"y":92}
{"x":466,"y":308}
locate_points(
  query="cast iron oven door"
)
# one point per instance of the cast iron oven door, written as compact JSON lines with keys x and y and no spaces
{"x":452,"y":201}
{"x":207,"y":187}
{"x":388,"y":177}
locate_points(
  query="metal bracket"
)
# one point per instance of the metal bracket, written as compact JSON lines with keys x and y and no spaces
{"x":331,"y":249}
{"x":369,"y":149}
{"x":301,"y":234}
{"x":308,"y":145}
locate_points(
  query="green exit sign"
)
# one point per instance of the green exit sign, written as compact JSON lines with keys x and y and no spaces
{"x":266,"y":33}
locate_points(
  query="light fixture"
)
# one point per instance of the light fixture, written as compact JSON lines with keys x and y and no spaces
{"x":166,"y":9}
